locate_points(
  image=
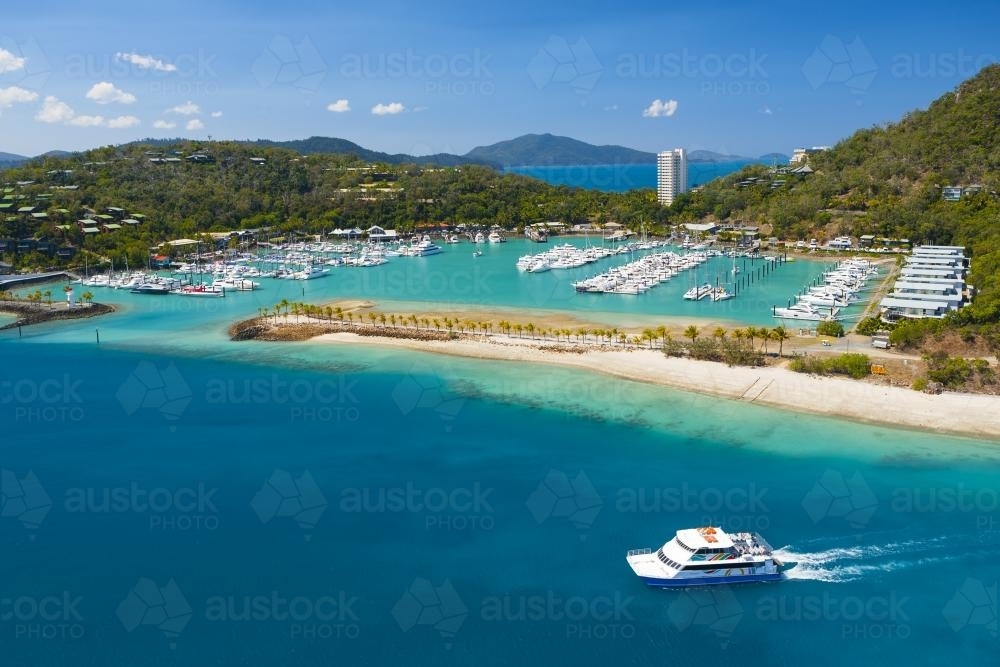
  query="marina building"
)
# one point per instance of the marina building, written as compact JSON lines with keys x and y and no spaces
{"x":931,"y":284}
{"x":671,"y":175}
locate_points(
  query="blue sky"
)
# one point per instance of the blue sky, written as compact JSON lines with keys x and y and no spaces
{"x":447,"y":76}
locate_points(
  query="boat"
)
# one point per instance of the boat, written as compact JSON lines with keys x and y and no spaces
{"x":203,"y":291}
{"x":150,"y":288}
{"x":479,"y":238}
{"x":311,"y":272}
{"x":424,"y":248}
{"x":699,"y":292}
{"x":495,"y":237}
{"x":453,"y":239}
{"x":721,"y":294}
{"x":478,"y":253}
{"x":707,"y":556}
{"x":805,"y":311}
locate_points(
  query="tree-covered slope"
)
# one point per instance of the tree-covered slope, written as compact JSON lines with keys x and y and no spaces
{"x":888,"y":181}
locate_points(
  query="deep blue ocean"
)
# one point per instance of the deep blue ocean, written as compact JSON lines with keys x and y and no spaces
{"x":174,"y":498}
{"x":623,"y":177}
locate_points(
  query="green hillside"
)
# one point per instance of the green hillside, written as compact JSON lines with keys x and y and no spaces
{"x":888,"y":181}
{"x":185,"y":188}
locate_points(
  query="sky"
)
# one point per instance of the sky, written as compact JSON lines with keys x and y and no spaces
{"x":445,"y":76}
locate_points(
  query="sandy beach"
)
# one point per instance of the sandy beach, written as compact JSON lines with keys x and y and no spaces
{"x":965,"y":414}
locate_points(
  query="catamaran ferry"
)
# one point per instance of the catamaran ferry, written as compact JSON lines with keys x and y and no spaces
{"x":704,"y":556}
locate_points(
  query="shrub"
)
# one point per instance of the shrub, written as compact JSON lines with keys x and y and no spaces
{"x":830,"y":328}
{"x":920,"y":384}
{"x":868,"y":326}
{"x":854,"y":365}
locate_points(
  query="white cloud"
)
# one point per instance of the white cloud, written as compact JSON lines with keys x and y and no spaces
{"x":388,"y":109}
{"x":340,"y":106}
{"x":122,"y":122}
{"x":216,"y":114}
{"x":14,"y":95}
{"x":189,"y":108}
{"x":87,"y":121}
{"x":9,"y":62}
{"x":766,"y":110}
{"x":54,"y":110}
{"x":145,"y":62}
{"x":105,"y":92}
{"x":194,"y":124}
{"x":660,"y":109}
{"x":164,"y":124}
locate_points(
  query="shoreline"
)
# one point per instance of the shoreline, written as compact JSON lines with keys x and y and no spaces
{"x":773,"y":386}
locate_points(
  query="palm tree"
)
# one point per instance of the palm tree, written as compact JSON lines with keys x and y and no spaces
{"x":531,"y":329}
{"x":339,"y":312}
{"x":719,"y":333}
{"x":739,"y":335}
{"x":780,"y":334}
{"x":582,"y":331}
{"x":392,"y":320}
{"x":350,"y":317}
{"x":649,"y":334}
{"x":88,"y":296}
{"x":329,"y":314}
{"x":48,"y":297}
{"x":661,"y":332}
{"x":751,"y":334}
{"x":381,"y":319}
{"x":284,"y":304}
{"x":414,"y":320}
{"x":437,"y":324}
{"x":692,"y":333}
{"x":426,"y":322}
{"x":517,"y":329}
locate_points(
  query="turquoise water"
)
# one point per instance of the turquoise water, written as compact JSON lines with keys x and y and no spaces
{"x":456,"y":281}
{"x":408,"y":468}
{"x":624,"y":177}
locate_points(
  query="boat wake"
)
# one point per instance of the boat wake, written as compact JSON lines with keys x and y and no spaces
{"x":843,"y":564}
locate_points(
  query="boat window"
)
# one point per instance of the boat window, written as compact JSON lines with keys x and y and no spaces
{"x":684,"y":546}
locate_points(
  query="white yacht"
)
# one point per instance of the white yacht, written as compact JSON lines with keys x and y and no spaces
{"x":805,"y":311}
{"x":425,"y":247}
{"x":706,"y":556}
{"x":495,"y":237}
{"x":311,"y":272}
{"x":721,"y":294}
{"x":479,"y":238}
{"x":453,"y":239}
{"x":699,"y":292}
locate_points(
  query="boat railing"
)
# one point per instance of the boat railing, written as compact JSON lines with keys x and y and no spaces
{"x":640,"y":552}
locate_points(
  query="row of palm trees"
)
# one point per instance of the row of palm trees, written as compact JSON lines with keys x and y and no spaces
{"x":748,"y":334}
{"x":611,"y":335}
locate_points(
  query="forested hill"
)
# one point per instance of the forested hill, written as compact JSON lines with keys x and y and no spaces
{"x":190,"y":187}
{"x":888,"y":181}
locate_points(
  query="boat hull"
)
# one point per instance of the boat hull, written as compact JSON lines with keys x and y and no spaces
{"x":710,"y":581}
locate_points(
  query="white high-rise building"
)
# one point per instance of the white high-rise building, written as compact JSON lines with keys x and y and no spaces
{"x":671,"y":175}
